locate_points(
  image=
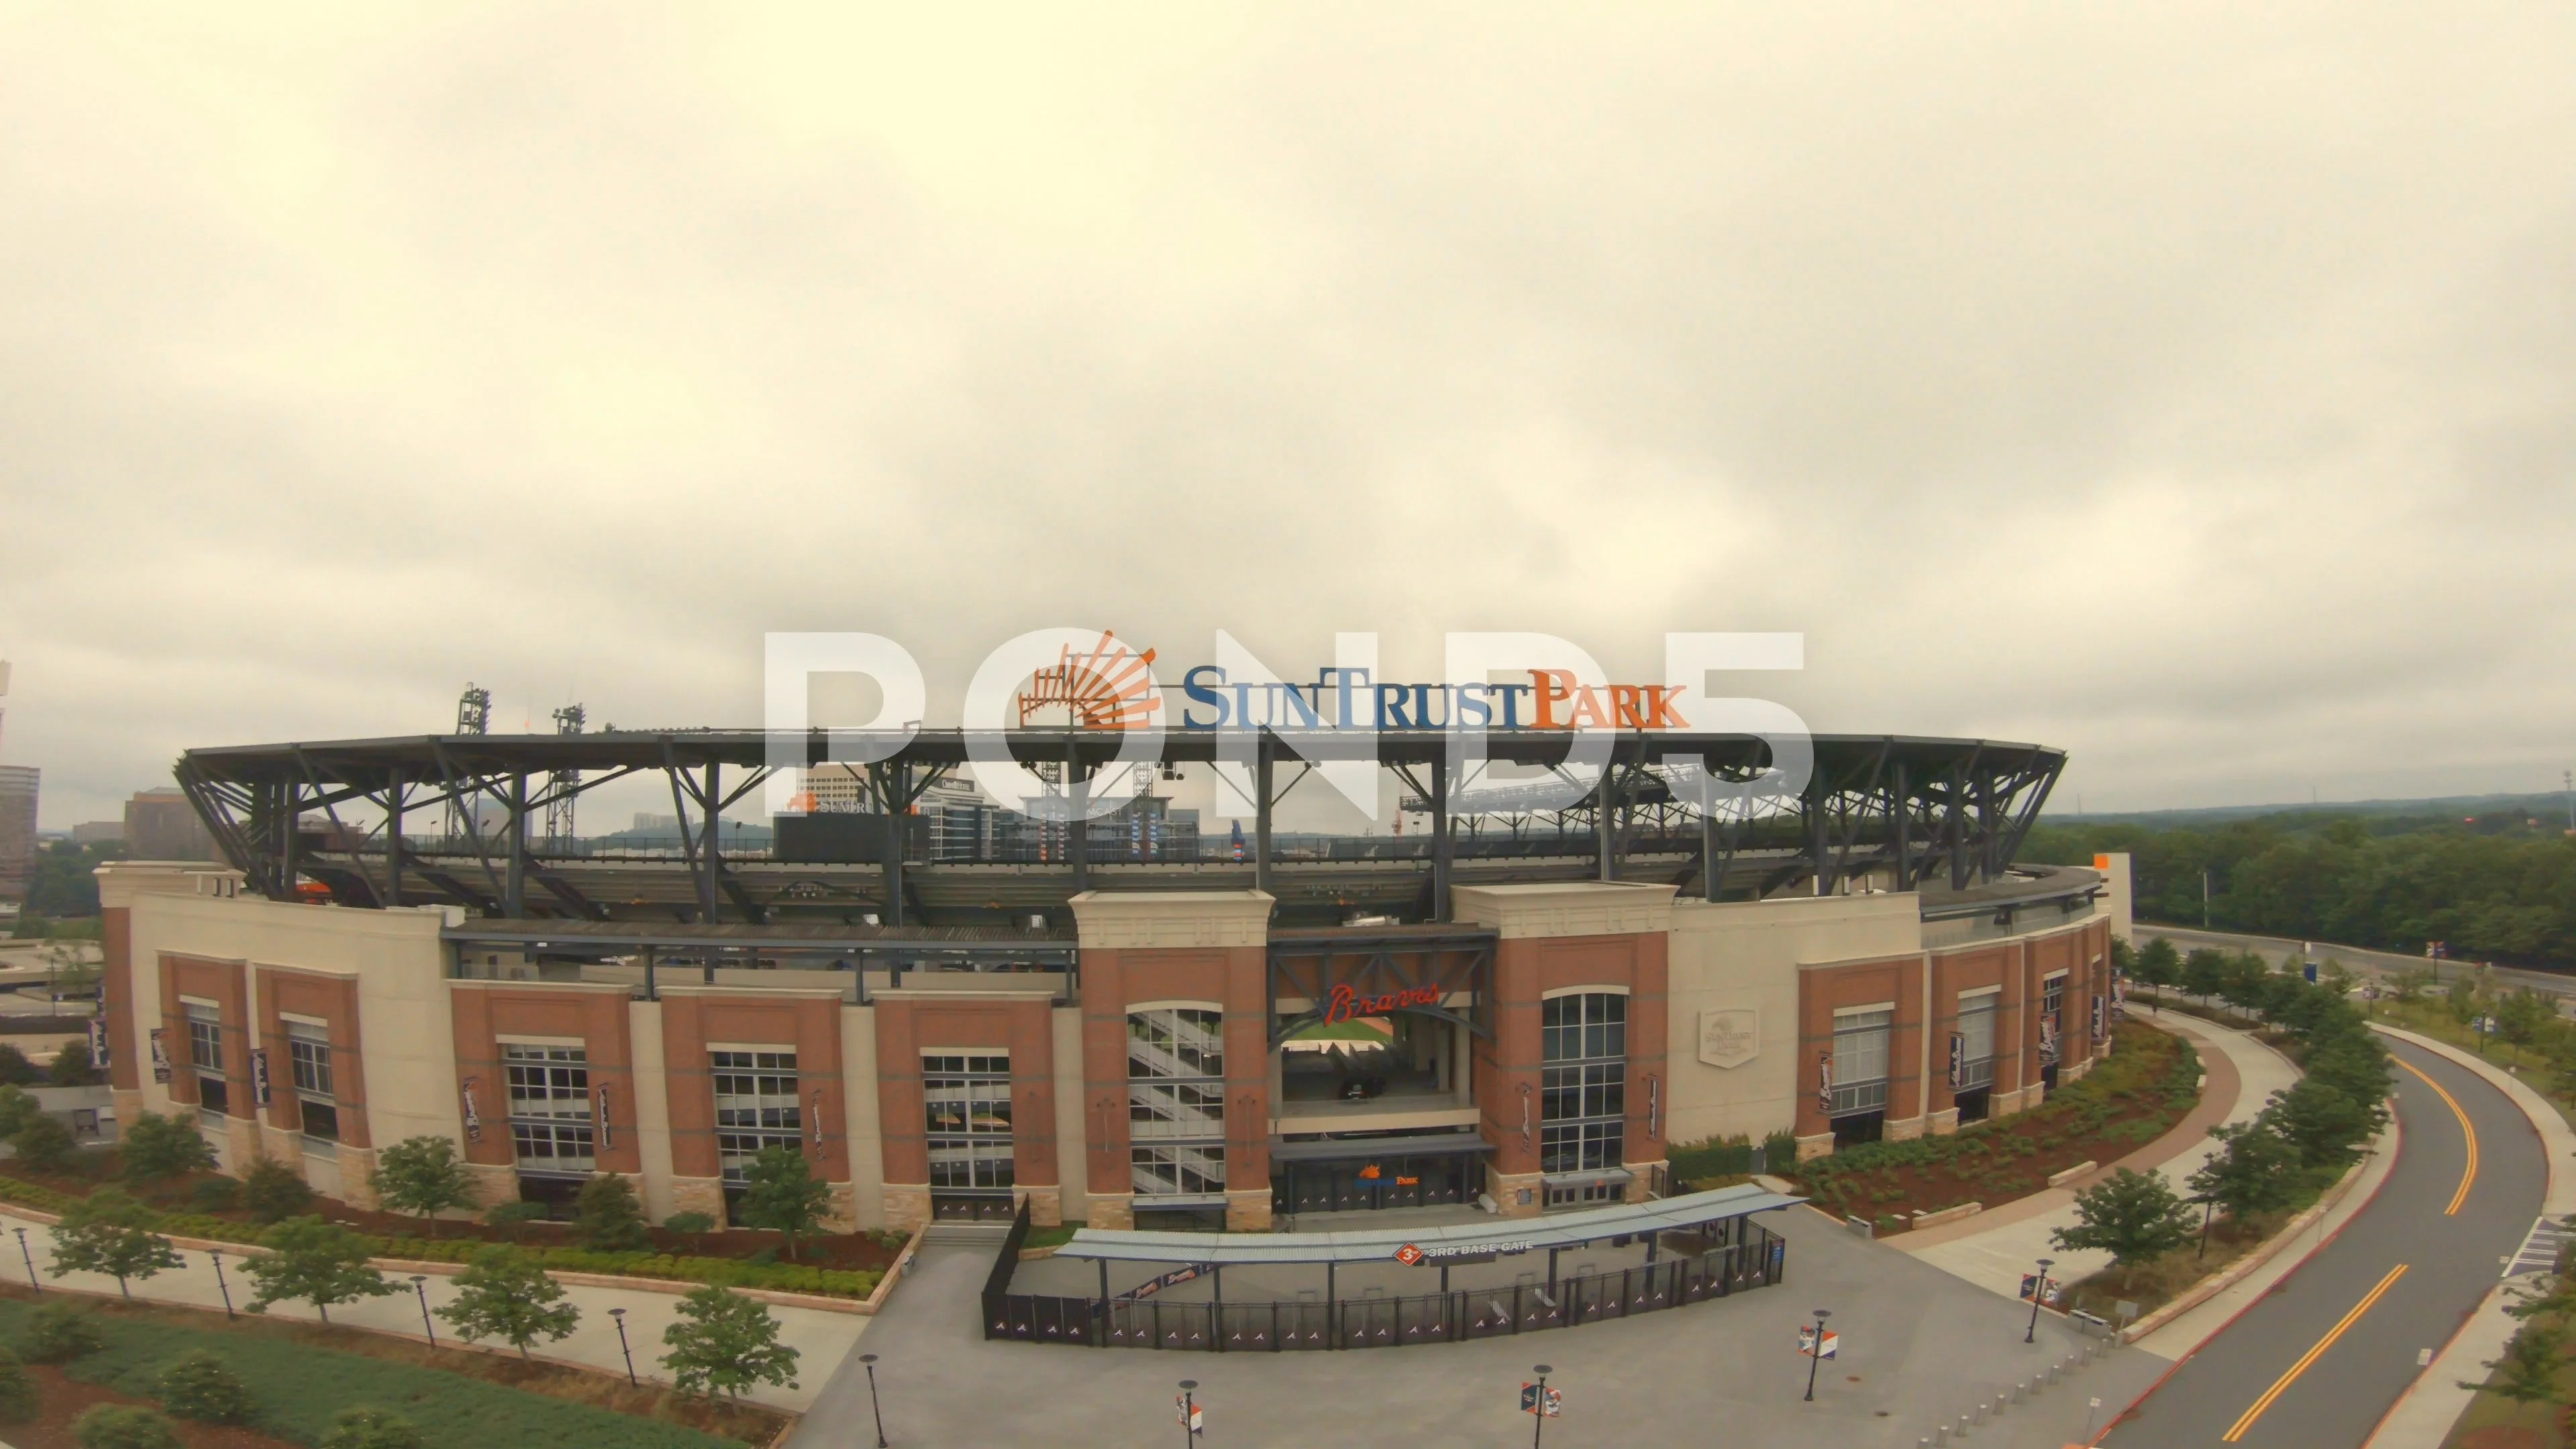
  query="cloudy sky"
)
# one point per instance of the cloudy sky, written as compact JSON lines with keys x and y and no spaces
{"x":2188,"y":386}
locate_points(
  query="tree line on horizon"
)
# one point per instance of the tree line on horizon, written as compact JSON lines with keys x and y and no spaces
{"x":2390,"y":883}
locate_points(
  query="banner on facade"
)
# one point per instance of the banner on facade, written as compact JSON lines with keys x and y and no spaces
{"x":473,"y":1116}
{"x":98,"y":1042}
{"x":1825,"y":1082}
{"x":259,"y":1075}
{"x":160,"y":1056}
{"x":2048,"y":1041}
{"x":1958,"y":1060}
{"x":607,"y":1128}
{"x":2101,"y":1020}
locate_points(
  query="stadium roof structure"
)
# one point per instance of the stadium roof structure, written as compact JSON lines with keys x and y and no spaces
{"x":1929,"y":814}
{"x":1470,"y":1240}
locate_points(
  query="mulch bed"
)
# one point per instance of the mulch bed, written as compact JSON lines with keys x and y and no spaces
{"x":61,"y":1400}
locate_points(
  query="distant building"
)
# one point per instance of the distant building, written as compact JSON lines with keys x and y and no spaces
{"x":18,"y":788}
{"x":99,"y":832}
{"x":162,"y":825}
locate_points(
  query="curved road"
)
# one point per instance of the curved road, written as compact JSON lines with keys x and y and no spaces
{"x":2316,"y":1362}
{"x":2361,"y":959}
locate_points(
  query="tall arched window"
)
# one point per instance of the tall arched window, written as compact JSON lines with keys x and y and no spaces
{"x":1176,"y":1102}
{"x":1583,"y":1087}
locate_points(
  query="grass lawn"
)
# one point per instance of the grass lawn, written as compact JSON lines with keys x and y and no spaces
{"x":301,"y":1374}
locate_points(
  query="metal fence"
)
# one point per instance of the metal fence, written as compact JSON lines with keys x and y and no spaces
{"x":1380,"y":1322}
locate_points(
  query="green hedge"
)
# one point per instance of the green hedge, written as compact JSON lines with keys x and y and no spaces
{"x":730,"y":1272}
{"x":297,"y":1388}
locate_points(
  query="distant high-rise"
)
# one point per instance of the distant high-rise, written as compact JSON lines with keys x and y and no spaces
{"x":162,"y":825}
{"x":18,"y":788}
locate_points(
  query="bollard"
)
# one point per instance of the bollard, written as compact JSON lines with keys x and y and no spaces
{"x":1978,"y":1414}
{"x":2020,"y":1392}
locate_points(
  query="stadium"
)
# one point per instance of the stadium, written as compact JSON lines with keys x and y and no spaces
{"x":1523,"y":1000}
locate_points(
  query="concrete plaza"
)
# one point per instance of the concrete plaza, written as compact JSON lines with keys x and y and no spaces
{"x":1917,"y":1346}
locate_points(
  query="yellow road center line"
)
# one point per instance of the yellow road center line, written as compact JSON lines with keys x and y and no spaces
{"x":2470,"y":1175}
{"x":2237,"y":1430}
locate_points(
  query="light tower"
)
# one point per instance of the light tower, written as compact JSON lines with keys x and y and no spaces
{"x":473,"y":717}
{"x":562,"y":783}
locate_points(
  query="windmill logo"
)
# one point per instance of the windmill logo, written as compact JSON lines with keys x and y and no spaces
{"x":1106,"y":687}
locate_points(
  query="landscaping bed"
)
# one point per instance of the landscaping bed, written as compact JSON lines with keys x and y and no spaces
{"x":831,"y":1264}
{"x":2148,"y":1083}
{"x":300,"y":1375}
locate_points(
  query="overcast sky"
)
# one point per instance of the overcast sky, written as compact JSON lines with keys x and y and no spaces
{"x":2192,"y":387}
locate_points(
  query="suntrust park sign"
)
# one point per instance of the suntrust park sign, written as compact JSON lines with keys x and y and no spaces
{"x":1087,"y":679}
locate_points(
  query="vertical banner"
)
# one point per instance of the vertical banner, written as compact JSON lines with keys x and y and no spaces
{"x":1825,"y":1082}
{"x":473,"y":1117}
{"x":1958,"y":1059}
{"x":2101,"y":1020}
{"x":818,"y":1120}
{"x":259,"y":1075}
{"x":98,"y":1041}
{"x":607,"y":1126}
{"x":2048,"y":1041}
{"x":160,"y":1055}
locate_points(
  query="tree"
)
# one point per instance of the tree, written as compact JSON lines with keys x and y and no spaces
{"x":2523,"y":1016}
{"x":108,"y":1232}
{"x":510,"y":1216}
{"x":725,"y":1342}
{"x":73,"y":1067}
{"x":2254,"y":1171}
{"x":695,"y":1225}
{"x":274,"y":1191}
{"x":155,"y":1148}
{"x":60,"y":1332}
{"x":15,"y":1069}
{"x":315,"y":1262}
{"x":123,"y":1426}
{"x":608,"y":1219}
{"x":2528,"y":1372}
{"x":44,"y":1143}
{"x":16,"y":1107}
{"x":370,"y":1428}
{"x":781,"y":1193}
{"x":2321,"y":1121}
{"x":199,"y":1385}
{"x":422,"y":1175}
{"x":2337,"y":977}
{"x":2133,"y":1216}
{"x":18,"y":1401}
{"x":2205,"y":973}
{"x":503,"y":1294}
{"x":2160,"y":966}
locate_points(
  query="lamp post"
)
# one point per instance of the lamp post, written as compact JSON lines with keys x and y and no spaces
{"x":618,"y":1316}
{"x":216,"y":1256}
{"x":1538,"y":1411}
{"x":2038,"y":1291}
{"x":420,"y":1286}
{"x":25,"y":1252}
{"x":2208,"y":1209}
{"x":1816,"y":1353}
{"x":869,"y":1360}
{"x":1189,"y":1410}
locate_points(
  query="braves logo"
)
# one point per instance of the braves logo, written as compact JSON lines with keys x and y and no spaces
{"x":1347,"y":1005}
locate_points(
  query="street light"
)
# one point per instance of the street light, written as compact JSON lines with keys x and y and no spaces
{"x":2038,"y":1290}
{"x":619,"y":1316}
{"x":24,"y":1252}
{"x":1816,"y":1352}
{"x":216,"y":1256}
{"x":1538,"y":1411}
{"x":870,"y":1361}
{"x":2208,"y":1209}
{"x":420,"y":1285}
{"x":1189,"y":1410}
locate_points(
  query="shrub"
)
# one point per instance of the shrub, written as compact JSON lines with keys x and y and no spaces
{"x":200,"y":1385}
{"x":509,"y":1216}
{"x":15,"y":1069}
{"x":61,"y":1331}
{"x":215,"y":1195}
{"x":607,"y":1217}
{"x":73,"y":1067}
{"x":123,"y":1426}
{"x":370,"y":1428}
{"x":274,"y":1191}
{"x":44,"y":1143}
{"x":17,"y":1391}
{"x":15,"y":1106}
{"x":155,"y":1147}
{"x":696,"y":1225}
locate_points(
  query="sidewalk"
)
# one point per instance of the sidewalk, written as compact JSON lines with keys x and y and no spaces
{"x":1994,"y":1249}
{"x":821,"y":1339}
{"x":2422,"y":1419}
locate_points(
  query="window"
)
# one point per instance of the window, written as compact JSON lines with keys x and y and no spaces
{"x":1977,"y":1040}
{"x":1583,"y":1083}
{"x":968,"y":1102}
{"x":1176,"y":1101}
{"x":1860,"y":1062}
{"x":308,"y":1056}
{"x":550,"y":1122}
{"x":206,"y":1054}
{"x":756,"y":1107}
